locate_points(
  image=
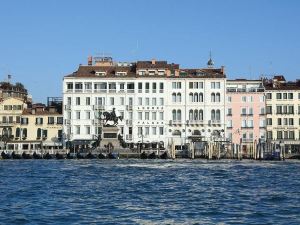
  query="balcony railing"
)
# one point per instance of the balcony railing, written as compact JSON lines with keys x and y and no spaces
{"x":175,"y":122}
{"x":195,"y":122}
{"x":245,"y":89}
{"x":128,"y":107}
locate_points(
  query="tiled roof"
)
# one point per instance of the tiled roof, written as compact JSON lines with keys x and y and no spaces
{"x":156,"y":65}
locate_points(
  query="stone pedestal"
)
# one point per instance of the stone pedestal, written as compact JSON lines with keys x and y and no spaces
{"x":110,"y":138}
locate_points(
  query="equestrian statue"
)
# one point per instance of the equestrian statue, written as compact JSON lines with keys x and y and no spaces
{"x":111,"y":116}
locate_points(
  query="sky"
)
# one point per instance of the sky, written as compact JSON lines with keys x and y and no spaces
{"x":42,"y":41}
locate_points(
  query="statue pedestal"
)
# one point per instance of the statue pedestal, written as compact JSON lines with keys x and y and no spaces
{"x":110,"y":138}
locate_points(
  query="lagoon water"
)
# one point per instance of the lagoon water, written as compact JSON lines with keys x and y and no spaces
{"x":149,"y":192}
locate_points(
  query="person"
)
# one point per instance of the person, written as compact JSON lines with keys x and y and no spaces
{"x":113,"y":114}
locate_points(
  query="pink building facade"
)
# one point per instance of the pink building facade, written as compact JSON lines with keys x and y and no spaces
{"x":246,"y":116}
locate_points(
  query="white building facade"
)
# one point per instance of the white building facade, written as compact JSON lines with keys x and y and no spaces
{"x":160,"y":103}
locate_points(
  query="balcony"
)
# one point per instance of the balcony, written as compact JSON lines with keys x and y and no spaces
{"x":161,"y":91}
{"x":195,"y":122}
{"x":130,"y":90}
{"x":7,"y":123}
{"x":214,"y":122}
{"x":99,"y":107}
{"x":247,"y":127}
{"x":129,"y":107}
{"x":112,"y":90}
{"x":244,"y":140}
{"x":68,"y":107}
{"x":175,"y":122}
{"x":245,"y":89}
{"x":67,"y":121}
{"x":78,"y":91}
{"x":100,"y":90}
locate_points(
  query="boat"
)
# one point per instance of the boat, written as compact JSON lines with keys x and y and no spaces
{"x":144,"y":156}
{"x":101,"y":156}
{"x":48,"y":156}
{"x":16,"y":156}
{"x":164,"y":155}
{"x":90,"y":156}
{"x":26,"y":156}
{"x":79,"y":156}
{"x":152,"y":156}
{"x":37,"y":156}
{"x":5,"y":155}
{"x":111,"y":156}
{"x":59,"y":156}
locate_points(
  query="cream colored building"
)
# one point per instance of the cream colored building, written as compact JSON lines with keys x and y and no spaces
{"x":283,"y":113}
{"x":11,"y":110}
{"x":36,"y":128}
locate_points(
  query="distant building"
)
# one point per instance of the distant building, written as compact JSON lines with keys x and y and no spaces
{"x":161,"y":103}
{"x":246,"y":119}
{"x":283,"y":113}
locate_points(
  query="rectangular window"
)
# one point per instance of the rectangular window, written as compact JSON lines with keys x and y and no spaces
{"x":229,"y":98}
{"x":147,"y":87}
{"x":279,"y":134}
{"x":112,"y":101}
{"x":161,"y":115}
{"x":213,"y":85}
{"x":147,"y":129}
{"x":69,"y":101}
{"x":278,"y":95}
{"x":122,"y":101}
{"x":77,"y":100}
{"x":244,"y":99}
{"x":269,"y":121}
{"x":190,"y":85}
{"x":77,"y":129}
{"x":50,"y":120}
{"x":147,"y":115}
{"x":140,"y":131}
{"x":244,"y":111}
{"x":88,"y":115}
{"x":161,"y":131}
{"x":147,"y":101}
{"x":269,"y":96}
{"x":140,"y":115}
{"x":261,"y":98}
{"x":60,"y":120}
{"x":279,"y":121}
{"x":284,"y":95}
{"x":291,"y":96}
{"x":278,"y":109}
{"x":154,"y":101}
{"x":88,"y":101}
{"x":291,"y":109}
{"x":153,"y":115}
{"x":140,"y":101}
{"x":78,"y":115}
{"x":251,"y":111}
{"x":229,"y":111}
{"x":88,"y":130}
{"x":140,"y":87}
{"x":153,"y":130}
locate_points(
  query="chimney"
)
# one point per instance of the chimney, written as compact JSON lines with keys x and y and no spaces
{"x":223,"y":69}
{"x":90,"y":60}
{"x":153,"y":61}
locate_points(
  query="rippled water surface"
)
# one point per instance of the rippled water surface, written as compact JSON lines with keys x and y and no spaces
{"x":149,"y":192}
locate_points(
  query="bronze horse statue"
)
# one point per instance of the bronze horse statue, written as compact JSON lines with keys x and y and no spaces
{"x":112,"y":117}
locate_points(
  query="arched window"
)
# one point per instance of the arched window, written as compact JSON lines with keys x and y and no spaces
{"x":174,"y":114}
{"x":9,"y":132}
{"x":213,"y":114}
{"x":191,"y":115}
{"x":18,"y":132}
{"x":196,"y":114}
{"x":218,"y":115}
{"x":200,"y":97}
{"x":4,"y":132}
{"x":178,"y":97}
{"x":191,"y":97}
{"x":213,"y":97}
{"x":179,"y":114}
{"x":196,"y":99}
{"x":200,"y":114}
{"x":174,"y":97}
{"x":218,"y":97}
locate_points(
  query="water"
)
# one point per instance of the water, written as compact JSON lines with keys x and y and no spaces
{"x":149,"y":192}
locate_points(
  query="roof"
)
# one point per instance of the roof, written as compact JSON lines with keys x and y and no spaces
{"x":156,"y":65}
{"x":39,"y":113}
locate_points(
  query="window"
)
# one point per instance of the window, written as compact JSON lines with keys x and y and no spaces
{"x":278,"y":95}
{"x":213,"y":85}
{"x":178,"y":97}
{"x":161,"y":115}
{"x":161,"y":87}
{"x":269,"y":109}
{"x":39,"y":121}
{"x":147,"y":101}
{"x":291,"y":121}
{"x":269,"y":96}
{"x":77,"y":100}
{"x":77,"y":129}
{"x":262,"y":110}
{"x":291,"y":96}
{"x":147,"y":115}
{"x":229,"y":123}
{"x":140,"y":131}
{"x":70,"y":86}
{"x":140,"y":101}
{"x":244,"y":99}
{"x":88,"y":115}
{"x":212,"y":97}
{"x":218,"y":97}
{"x":50,"y":120}
{"x":154,"y":101}
{"x":250,"y":99}
{"x":60,"y":120}
{"x":279,"y":134}
{"x":291,"y":135}
{"x":229,"y":98}
{"x":251,"y":111}
{"x":112,"y":101}
{"x":147,"y":129}
{"x":153,"y":87}
{"x":279,"y":121}
{"x":229,"y":111}
{"x":218,"y":85}
{"x":250,"y":123}
{"x":88,"y":101}
{"x":191,"y":85}
{"x":218,"y":114}
{"x":69,"y":101}
{"x":269,"y":121}
{"x":261,"y":98}
{"x":278,"y":109}
{"x":269,"y":135}
{"x":153,"y":115}
{"x":147,"y":87}
{"x":174,"y":97}
{"x":291,"y":109}
{"x":200,"y":97}
{"x":161,"y":131}
{"x":153,"y":130}
{"x":78,"y":115}
{"x":161,"y":101}
{"x":179,"y":114}
{"x":140,"y":115}
{"x":244,"y":123}
{"x":88,"y":130}
{"x":122,"y":86}
{"x":213,"y":114}
{"x":284,"y":95}
{"x":244,"y":111}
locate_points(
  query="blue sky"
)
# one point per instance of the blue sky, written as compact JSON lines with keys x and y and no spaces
{"x":41,"y":41}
